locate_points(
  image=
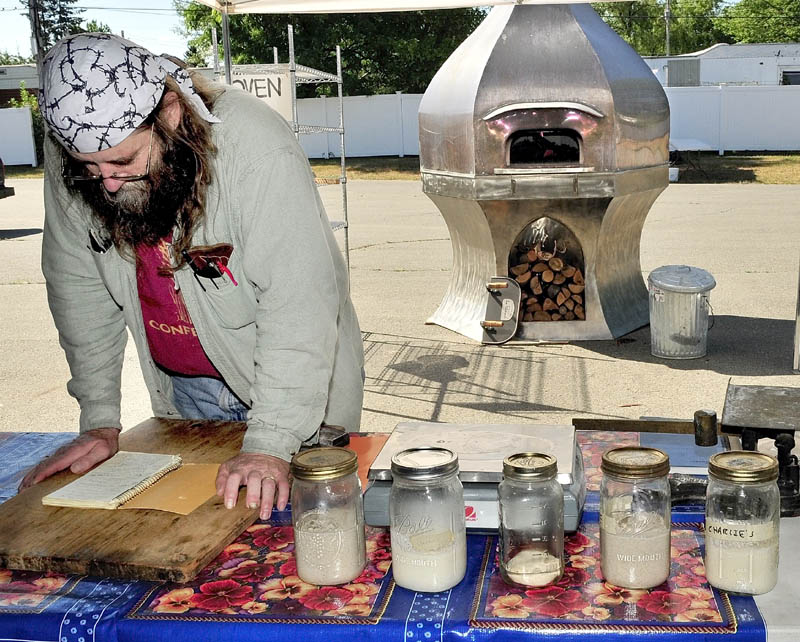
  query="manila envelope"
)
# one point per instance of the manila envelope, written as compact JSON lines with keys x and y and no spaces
{"x":180,"y":491}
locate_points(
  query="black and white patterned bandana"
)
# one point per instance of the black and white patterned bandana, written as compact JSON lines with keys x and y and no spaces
{"x":98,"y":88}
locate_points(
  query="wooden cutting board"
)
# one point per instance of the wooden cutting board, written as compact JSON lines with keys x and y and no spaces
{"x":134,"y":544}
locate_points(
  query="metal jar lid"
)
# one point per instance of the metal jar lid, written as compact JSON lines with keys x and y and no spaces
{"x":682,"y":278}
{"x":424,"y":463}
{"x":322,"y":464}
{"x":635,"y":462}
{"x":530,"y":467}
{"x":743,"y":466}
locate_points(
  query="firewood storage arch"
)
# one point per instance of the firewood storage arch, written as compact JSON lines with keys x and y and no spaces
{"x":547,"y":261}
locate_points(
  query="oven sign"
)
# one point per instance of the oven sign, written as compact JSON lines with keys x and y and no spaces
{"x":273,"y":89}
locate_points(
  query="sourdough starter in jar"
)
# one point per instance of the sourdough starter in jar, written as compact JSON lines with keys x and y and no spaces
{"x":328,"y":516}
{"x":742,"y":522}
{"x":531,"y":520}
{"x":330,"y":546}
{"x":635,"y":517}
{"x":426,"y":510}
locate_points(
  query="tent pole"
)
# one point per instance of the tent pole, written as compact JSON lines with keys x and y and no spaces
{"x":293,"y":81}
{"x":226,"y":44}
{"x":343,"y":175}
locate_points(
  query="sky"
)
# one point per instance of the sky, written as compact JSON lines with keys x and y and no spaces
{"x":150,"y":23}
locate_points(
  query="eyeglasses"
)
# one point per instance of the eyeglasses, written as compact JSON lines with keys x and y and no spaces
{"x":68,"y":169}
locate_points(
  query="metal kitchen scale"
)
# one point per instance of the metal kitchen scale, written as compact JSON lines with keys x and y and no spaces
{"x":768,"y":412}
{"x":481,"y":449}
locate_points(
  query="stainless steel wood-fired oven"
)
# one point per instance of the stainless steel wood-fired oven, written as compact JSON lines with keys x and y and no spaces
{"x":544,"y":125}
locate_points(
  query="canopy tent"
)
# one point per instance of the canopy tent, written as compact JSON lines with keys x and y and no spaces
{"x":228,"y":7}
{"x":355,"y":6}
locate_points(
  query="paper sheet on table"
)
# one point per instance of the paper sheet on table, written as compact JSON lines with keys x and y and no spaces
{"x":366,"y":448}
{"x":181,"y":491}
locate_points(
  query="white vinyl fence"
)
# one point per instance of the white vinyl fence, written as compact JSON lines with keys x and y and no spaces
{"x":724,"y":118}
{"x":734,"y":118}
{"x":16,"y":136}
{"x":384,"y":125}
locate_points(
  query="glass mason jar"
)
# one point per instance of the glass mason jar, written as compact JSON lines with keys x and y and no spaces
{"x":531,"y":520}
{"x":635,"y":517}
{"x":328,"y":516}
{"x":426,"y":513}
{"x":743,"y":507}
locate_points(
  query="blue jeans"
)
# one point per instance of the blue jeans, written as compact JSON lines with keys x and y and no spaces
{"x":206,"y":398}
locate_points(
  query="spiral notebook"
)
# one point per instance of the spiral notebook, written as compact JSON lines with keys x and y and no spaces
{"x":115,"y":481}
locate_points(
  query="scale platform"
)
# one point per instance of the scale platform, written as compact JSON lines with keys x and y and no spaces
{"x":481,"y":449}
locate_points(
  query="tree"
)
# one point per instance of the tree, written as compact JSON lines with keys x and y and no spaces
{"x":14,"y":59}
{"x":693,"y":26}
{"x":381,"y":52}
{"x":93,"y":26}
{"x":57,"y":18}
{"x":642,"y":24}
{"x":762,"y":21}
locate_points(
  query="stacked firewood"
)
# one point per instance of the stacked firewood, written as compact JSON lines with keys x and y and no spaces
{"x":552,"y":287}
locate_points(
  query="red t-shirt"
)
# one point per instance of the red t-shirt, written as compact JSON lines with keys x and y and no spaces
{"x":170,"y":332}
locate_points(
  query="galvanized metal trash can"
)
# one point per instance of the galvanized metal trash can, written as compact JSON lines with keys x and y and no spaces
{"x":679,"y":308}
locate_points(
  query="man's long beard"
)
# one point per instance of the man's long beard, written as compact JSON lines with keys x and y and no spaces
{"x":144,"y":212}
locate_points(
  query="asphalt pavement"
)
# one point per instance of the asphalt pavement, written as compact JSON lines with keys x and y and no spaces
{"x":400,"y":255}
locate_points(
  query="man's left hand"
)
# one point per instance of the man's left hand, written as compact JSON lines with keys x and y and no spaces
{"x":266,"y":478}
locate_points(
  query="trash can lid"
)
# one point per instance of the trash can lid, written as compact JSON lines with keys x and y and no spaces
{"x":682,"y":278}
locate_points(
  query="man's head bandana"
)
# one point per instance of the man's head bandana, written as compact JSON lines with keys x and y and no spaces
{"x":98,"y":88}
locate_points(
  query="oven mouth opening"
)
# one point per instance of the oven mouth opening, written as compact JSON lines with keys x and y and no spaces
{"x":531,"y":147}
{"x":548,"y":263}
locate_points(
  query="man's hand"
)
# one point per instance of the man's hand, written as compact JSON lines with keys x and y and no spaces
{"x":85,"y":451}
{"x":264,"y":476}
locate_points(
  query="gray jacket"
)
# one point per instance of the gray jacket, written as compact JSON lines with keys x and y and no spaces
{"x":285,"y":339}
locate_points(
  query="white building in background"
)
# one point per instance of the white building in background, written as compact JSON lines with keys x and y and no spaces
{"x":768,"y":64}
{"x":10,"y":78}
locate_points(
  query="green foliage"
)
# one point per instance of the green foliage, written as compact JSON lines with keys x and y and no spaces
{"x":762,"y":21}
{"x":14,"y":59}
{"x":642,"y":25}
{"x":693,"y":25}
{"x":93,"y":26}
{"x":28,"y":99}
{"x":57,"y":18}
{"x":381,"y":52}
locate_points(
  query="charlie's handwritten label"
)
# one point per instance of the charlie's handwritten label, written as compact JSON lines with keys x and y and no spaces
{"x":739,"y":531}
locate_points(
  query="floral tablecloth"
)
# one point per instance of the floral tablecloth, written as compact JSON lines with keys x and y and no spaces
{"x":252,"y":591}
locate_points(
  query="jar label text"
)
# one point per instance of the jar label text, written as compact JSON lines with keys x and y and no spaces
{"x":739,"y":531}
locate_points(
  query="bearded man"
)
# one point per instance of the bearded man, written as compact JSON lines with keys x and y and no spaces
{"x":189,"y":215}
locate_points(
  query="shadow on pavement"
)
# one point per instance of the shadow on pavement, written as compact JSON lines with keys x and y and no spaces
{"x":6,"y":235}
{"x":420,"y":379}
{"x":737,"y":346}
{"x":409,"y":371}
